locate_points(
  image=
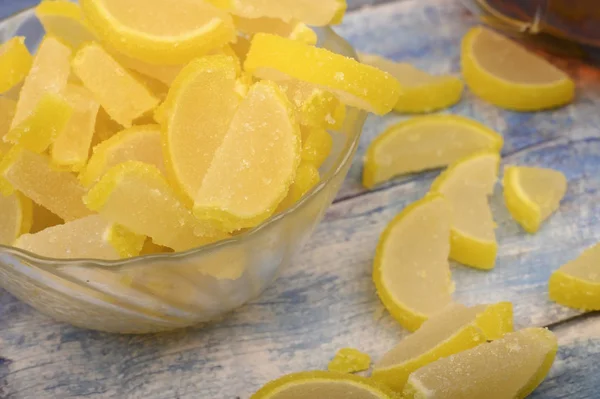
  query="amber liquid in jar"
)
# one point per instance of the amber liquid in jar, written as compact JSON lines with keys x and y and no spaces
{"x":568,"y":26}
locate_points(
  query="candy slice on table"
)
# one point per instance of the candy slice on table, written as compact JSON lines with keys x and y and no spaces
{"x":43,"y":218}
{"x":192,"y":134}
{"x":421,"y":92}
{"x":90,"y":237}
{"x":495,"y":320}
{"x":466,"y":185}
{"x":355,"y":84}
{"x":16,"y":216}
{"x":119,"y":93}
{"x":323,"y":384}
{"x":64,"y":20}
{"x":577,"y":283}
{"x":34,"y":175}
{"x":294,"y":30}
{"x":507,"y":75}
{"x":349,"y":360}
{"x":452,"y":330}
{"x":139,"y":143}
{"x":72,"y":145}
{"x":47,"y":121}
{"x":136,"y":195}
{"x":425,"y":142}
{"x":163,"y":73}
{"x":255,"y":165}
{"x":511,"y":367}
{"x":326,"y":12}
{"x":157,"y":32}
{"x":48,"y":75}
{"x":15,"y":63}
{"x":411,"y":270}
{"x":315,"y":107}
{"x":7,"y":112}
{"x":307,"y":177}
{"x":532,"y":194}
{"x":316,"y":145}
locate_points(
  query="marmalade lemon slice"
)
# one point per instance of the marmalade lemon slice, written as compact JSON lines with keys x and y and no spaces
{"x":511,"y":367}
{"x":91,"y":237}
{"x":137,"y":196}
{"x":355,"y":84}
{"x":35,"y":176}
{"x":505,"y":74}
{"x":316,"y":145}
{"x":325,"y":12}
{"x":193,"y":133}
{"x":307,"y":177}
{"x":119,"y":93}
{"x":466,"y":185}
{"x":64,"y":20}
{"x":139,"y":143}
{"x":163,"y":73}
{"x":72,"y":145}
{"x":15,"y":63}
{"x":314,"y":106}
{"x":16,"y":215}
{"x":7,"y":112}
{"x":421,"y":92}
{"x":349,"y":360}
{"x":425,"y":142}
{"x":48,"y":75}
{"x":47,"y":121}
{"x":411,"y":270}
{"x":292,"y":30}
{"x":452,"y":330}
{"x":158,"y":32}
{"x":253,"y":169}
{"x":323,"y":384}
{"x":577,"y":283}
{"x":532,"y":194}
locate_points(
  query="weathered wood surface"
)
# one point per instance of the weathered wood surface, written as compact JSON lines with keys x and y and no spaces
{"x":326,"y":300}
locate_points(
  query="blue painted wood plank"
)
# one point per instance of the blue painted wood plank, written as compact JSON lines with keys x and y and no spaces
{"x":10,"y":7}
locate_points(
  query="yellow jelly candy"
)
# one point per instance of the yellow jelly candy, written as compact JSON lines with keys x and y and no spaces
{"x":35,"y":176}
{"x":355,"y":84}
{"x":349,"y":360}
{"x":49,"y":75}
{"x":192,"y":134}
{"x":64,"y":20}
{"x":411,"y":270}
{"x":16,"y":216}
{"x":15,"y":63}
{"x":158,"y":32}
{"x":48,"y":120}
{"x":137,"y":196}
{"x":72,"y":145}
{"x":163,"y":73}
{"x":119,"y":93}
{"x":421,"y":92}
{"x":325,"y":12}
{"x":253,"y":169}
{"x":139,"y":143}
{"x":315,"y":107}
{"x":316,"y":145}
{"x":43,"y":218}
{"x":7,"y":112}
{"x":89,"y":238}
{"x":307,"y":177}
{"x":292,"y":30}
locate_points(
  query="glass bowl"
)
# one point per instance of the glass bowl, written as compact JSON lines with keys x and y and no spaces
{"x":174,"y":290}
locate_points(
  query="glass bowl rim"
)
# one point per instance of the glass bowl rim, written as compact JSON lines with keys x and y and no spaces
{"x":355,"y":115}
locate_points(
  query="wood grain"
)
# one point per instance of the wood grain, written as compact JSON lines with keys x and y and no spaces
{"x":326,"y":300}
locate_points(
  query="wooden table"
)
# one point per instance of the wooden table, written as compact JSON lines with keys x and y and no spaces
{"x":326,"y":300}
